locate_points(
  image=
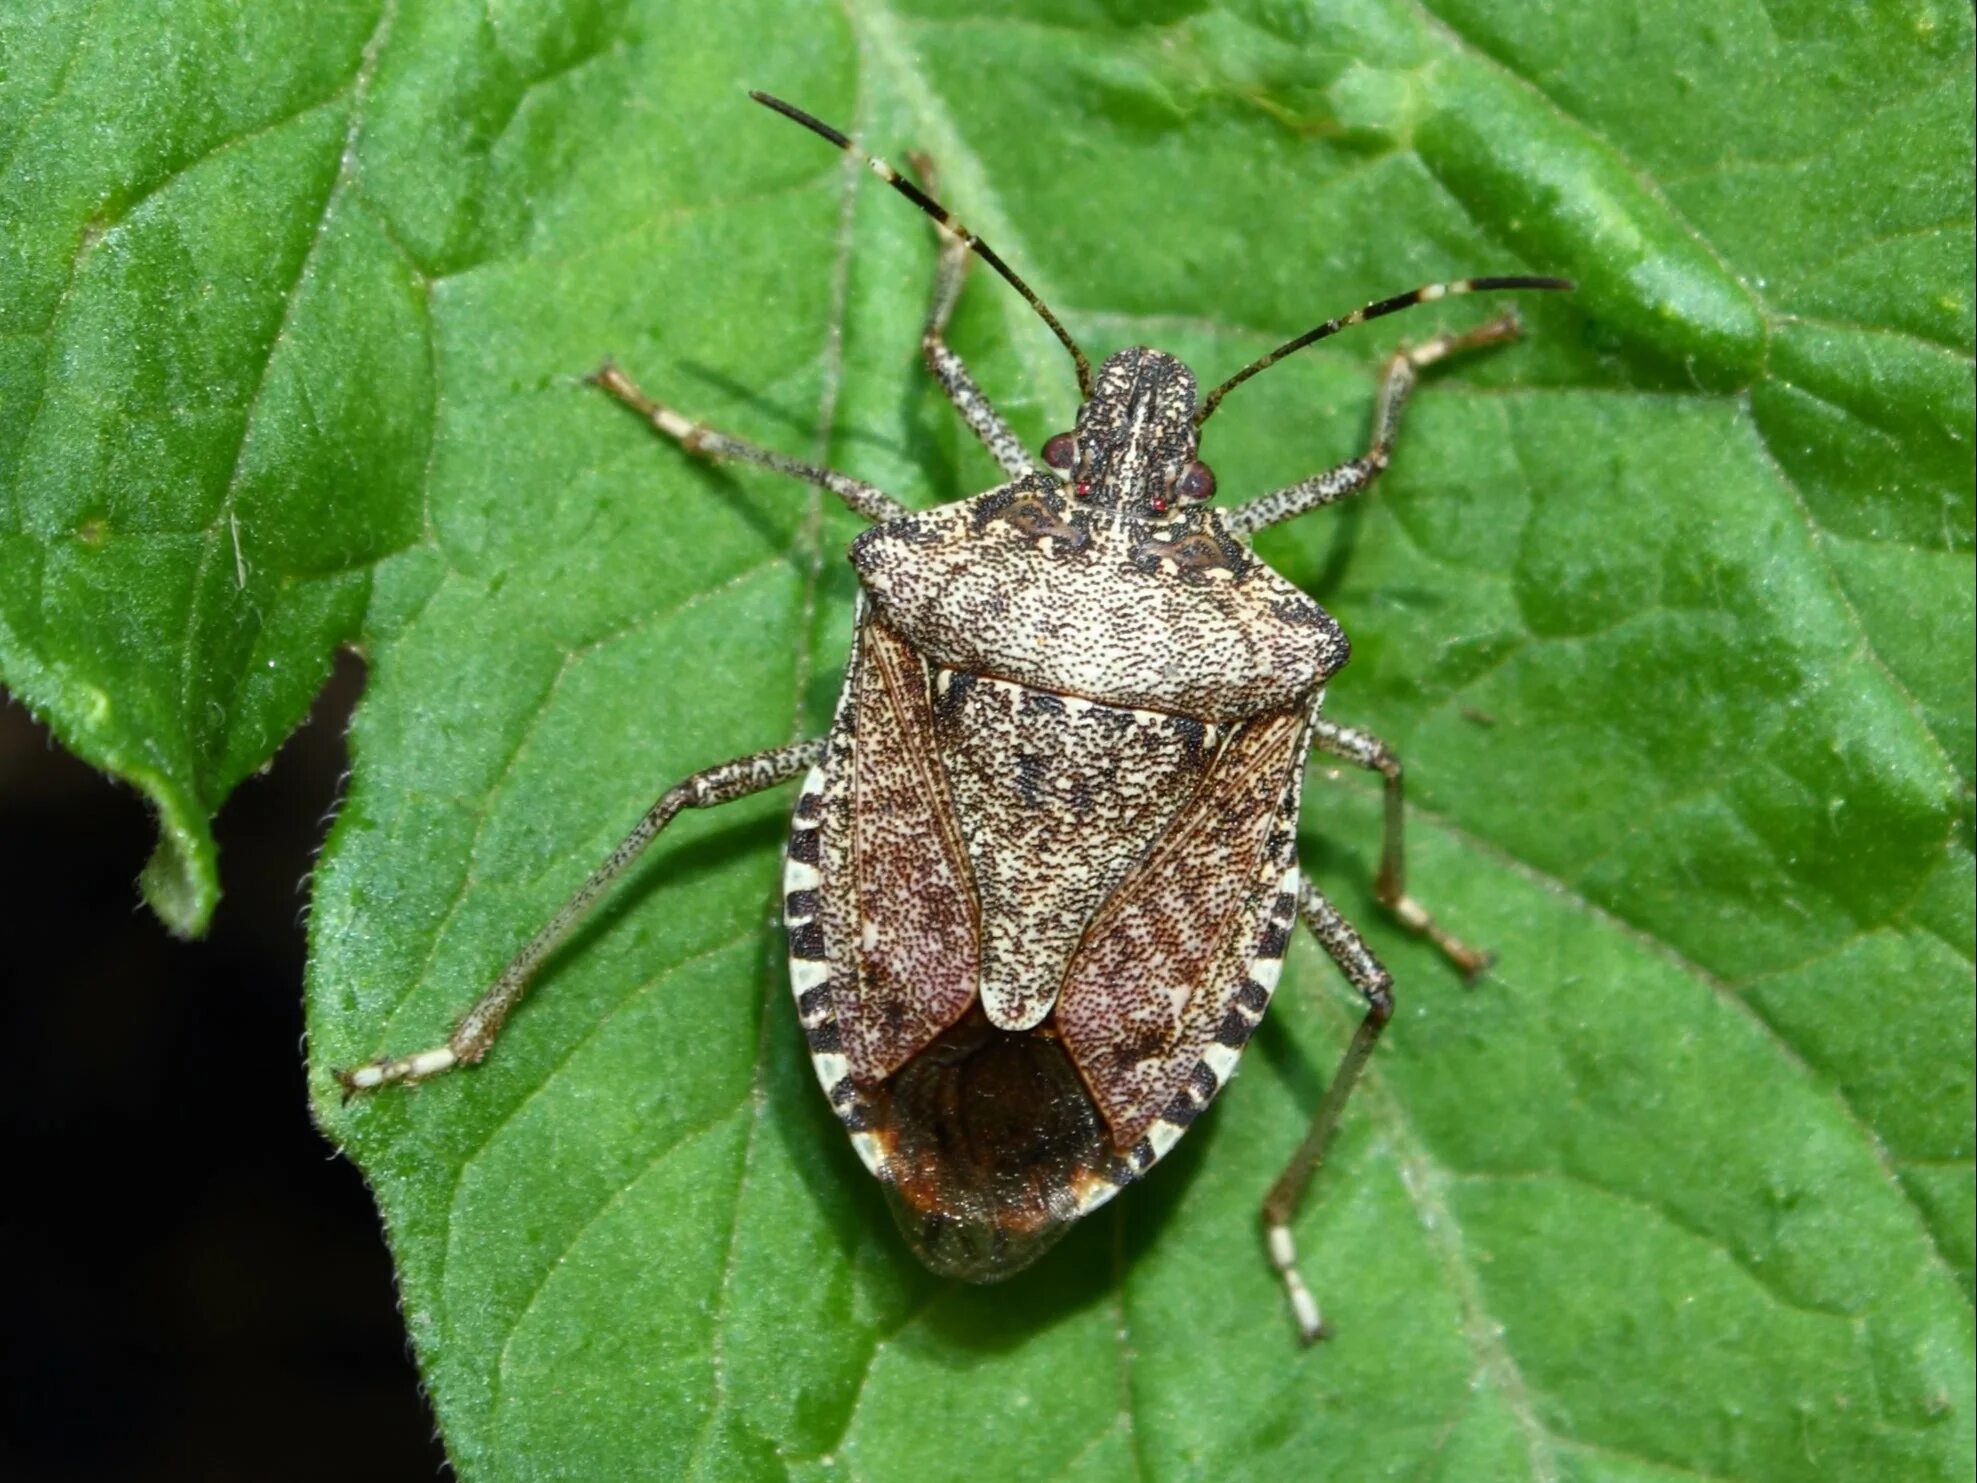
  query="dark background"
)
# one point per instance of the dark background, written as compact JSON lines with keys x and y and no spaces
{"x":195,"y":1285}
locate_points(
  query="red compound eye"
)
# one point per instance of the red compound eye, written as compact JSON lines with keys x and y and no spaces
{"x":1084,"y":491}
{"x":1061,"y":451}
{"x":1197,"y":483}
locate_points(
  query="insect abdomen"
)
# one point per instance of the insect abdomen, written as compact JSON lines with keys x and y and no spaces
{"x":990,"y":1140}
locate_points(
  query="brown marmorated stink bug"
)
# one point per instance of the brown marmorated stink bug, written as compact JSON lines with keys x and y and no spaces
{"x":1043,"y":868}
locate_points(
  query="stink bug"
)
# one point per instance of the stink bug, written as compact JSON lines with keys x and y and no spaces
{"x":1043,"y":867}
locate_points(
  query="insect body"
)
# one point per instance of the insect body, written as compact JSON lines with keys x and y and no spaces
{"x":1043,"y":869}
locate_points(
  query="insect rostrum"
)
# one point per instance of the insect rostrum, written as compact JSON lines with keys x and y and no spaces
{"x":1043,"y":866}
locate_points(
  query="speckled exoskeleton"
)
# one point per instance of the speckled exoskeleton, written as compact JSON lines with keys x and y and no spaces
{"x":1043,"y":867}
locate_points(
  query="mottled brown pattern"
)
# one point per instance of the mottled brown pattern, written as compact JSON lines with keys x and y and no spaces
{"x":1056,"y":800}
{"x":1161,"y":965}
{"x":1101,"y":618}
{"x":918,"y":925}
{"x":977,"y":841}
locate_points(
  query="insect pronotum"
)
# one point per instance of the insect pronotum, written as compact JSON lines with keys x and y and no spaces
{"x":1043,"y":866}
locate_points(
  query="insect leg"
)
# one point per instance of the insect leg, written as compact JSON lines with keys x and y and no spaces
{"x":474,"y":1035}
{"x":968,"y":398}
{"x":866,"y":499}
{"x":1358,"y":474}
{"x":1368,"y":751}
{"x":1366,"y":975}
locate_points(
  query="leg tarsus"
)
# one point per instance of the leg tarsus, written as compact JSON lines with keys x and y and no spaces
{"x":475,"y":1034}
{"x":614,"y":382}
{"x":1280,"y":1206}
{"x":388,"y":1069}
{"x":705,"y":442}
{"x":1362,"y":748}
{"x":1471,"y":962}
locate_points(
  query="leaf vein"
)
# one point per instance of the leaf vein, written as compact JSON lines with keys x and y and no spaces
{"x":1742,"y":1260}
{"x":1723,"y":990}
{"x":359,"y":88}
{"x":629,"y":1000}
{"x":1816,"y":536}
{"x":1423,"y":1184}
{"x":656,"y":1161}
{"x":810,"y":539}
{"x":86,"y":27}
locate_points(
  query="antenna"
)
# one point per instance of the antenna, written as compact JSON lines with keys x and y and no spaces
{"x":942,"y":215}
{"x":1427,"y":294}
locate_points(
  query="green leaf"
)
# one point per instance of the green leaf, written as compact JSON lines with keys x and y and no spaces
{"x":1669,"y":609}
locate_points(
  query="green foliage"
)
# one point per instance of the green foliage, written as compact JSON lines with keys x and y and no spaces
{"x":1670,"y":609}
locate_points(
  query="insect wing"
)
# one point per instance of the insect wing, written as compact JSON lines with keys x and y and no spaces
{"x":916,"y":920}
{"x":1182,"y":958}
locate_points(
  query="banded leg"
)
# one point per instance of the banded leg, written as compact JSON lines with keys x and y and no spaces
{"x":1375,"y":984}
{"x":866,"y":499}
{"x":1357,"y":474}
{"x":474,"y":1035}
{"x":1366,"y":750}
{"x":969,"y":400}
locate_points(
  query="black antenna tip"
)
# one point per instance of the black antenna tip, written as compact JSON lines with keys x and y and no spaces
{"x":796,"y":115}
{"x":1561,"y":285}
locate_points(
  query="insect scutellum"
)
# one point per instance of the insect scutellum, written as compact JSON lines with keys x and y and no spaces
{"x":1043,"y":870}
